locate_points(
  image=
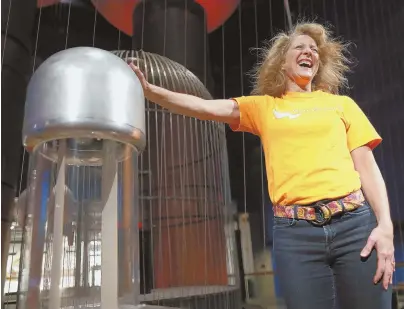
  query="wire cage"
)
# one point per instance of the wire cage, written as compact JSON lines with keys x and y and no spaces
{"x":188,"y":253}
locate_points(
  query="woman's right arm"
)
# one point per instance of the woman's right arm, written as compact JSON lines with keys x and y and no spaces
{"x":217,"y":110}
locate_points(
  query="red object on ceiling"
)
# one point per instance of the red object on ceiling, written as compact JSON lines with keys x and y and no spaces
{"x":119,"y":12}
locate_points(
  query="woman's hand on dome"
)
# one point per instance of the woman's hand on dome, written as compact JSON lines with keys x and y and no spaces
{"x":145,"y":84}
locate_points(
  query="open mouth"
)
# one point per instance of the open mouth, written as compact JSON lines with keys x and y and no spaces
{"x":305,"y":63}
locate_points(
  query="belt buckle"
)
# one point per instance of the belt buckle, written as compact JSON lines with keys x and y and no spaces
{"x":324,"y":212}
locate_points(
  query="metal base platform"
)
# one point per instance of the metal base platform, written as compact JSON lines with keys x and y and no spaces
{"x":186,"y":292}
{"x":195,"y":297}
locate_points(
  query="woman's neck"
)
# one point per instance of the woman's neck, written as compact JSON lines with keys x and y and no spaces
{"x":292,"y":86}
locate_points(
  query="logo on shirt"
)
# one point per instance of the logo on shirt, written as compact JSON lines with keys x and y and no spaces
{"x":280,"y":115}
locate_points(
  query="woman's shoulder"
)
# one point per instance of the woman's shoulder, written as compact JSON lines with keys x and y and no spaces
{"x":255,"y":99}
{"x":338,"y":99}
{"x":337,"y":96}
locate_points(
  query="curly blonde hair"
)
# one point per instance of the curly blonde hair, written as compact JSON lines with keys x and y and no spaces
{"x":269,"y":77}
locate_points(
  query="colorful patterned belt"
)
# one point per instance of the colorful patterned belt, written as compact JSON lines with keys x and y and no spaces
{"x":321,"y":212}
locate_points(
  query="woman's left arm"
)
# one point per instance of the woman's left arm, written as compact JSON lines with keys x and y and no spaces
{"x":375,"y":191}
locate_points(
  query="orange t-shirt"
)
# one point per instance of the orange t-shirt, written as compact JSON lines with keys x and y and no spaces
{"x":307,"y":139}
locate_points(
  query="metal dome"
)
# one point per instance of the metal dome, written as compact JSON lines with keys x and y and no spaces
{"x":84,"y":92}
{"x":85,"y":125}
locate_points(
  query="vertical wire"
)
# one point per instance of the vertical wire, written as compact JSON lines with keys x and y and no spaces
{"x":359,"y":34}
{"x":95,"y":238}
{"x":204,"y":126}
{"x":213,"y":207}
{"x":180,"y":126}
{"x":242,"y":93}
{"x":166,"y":194}
{"x":66,"y":174}
{"x":219,"y":244}
{"x":212,"y":199}
{"x":165,"y":28}
{"x":142,"y":172}
{"x":170,"y":192}
{"x":6,"y":31}
{"x":225,"y":193}
{"x":224,"y":176}
{"x":150,"y":173}
{"x":95,"y":23}
{"x":312,"y":8}
{"x":73,"y":173}
{"x":195,"y":188}
{"x":271,"y":27}
{"x":119,"y":40}
{"x":205,"y":193}
{"x":186,"y":195}
{"x":288,"y":14}
{"x":143,"y":21}
{"x":182,"y":172}
{"x":199,"y":178}
{"x":262,"y":167}
{"x":215,"y":213}
{"x":173,"y":193}
{"x":271,"y":35}
{"x":163,"y":188}
{"x":80,"y":174}
{"x":367,"y":41}
{"x":347,"y":24}
{"x":159,"y":188}
{"x":156,"y":260}
{"x":68,"y":24}
{"x":151,"y":176}
{"x":336,"y":16}
{"x":299,"y":9}
{"x":215,"y":218}
{"x":221,"y":201}
{"x":397,"y":172}
{"x":222,"y":204}
{"x":324,"y":11}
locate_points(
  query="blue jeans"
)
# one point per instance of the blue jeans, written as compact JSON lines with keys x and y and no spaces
{"x":321,"y":267}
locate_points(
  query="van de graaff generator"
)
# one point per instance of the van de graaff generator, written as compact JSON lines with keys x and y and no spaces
{"x":85,"y":128}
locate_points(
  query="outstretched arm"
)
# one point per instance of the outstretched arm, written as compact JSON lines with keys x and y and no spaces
{"x":218,"y":110}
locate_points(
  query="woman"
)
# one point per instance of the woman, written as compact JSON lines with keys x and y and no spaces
{"x":329,"y":245}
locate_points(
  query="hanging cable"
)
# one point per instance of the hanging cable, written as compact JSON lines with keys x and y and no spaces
{"x":242,"y":93}
{"x":288,"y":14}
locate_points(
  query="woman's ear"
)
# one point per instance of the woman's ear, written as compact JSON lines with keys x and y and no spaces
{"x":283,"y":66}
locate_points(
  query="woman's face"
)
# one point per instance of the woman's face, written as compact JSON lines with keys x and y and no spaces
{"x":302,"y":60}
